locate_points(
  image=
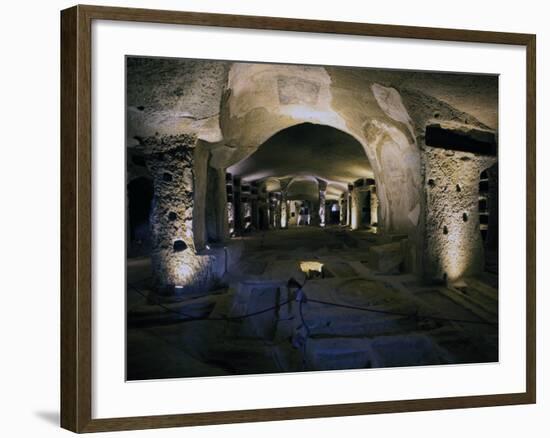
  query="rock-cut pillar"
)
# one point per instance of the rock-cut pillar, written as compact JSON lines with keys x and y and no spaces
{"x":348,"y":205}
{"x":373,"y":204}
{"x":274,"y":210}
{"x":355,"y":208}
{"x":453,"y":243}
{"x":322,"y":207}
{"x":492,"y":231}
{"x":177,"y":268}
{"x":285,"y":211}
{"x":318,"y":210}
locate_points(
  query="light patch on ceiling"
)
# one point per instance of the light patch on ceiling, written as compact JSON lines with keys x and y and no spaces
{"x":307,"y":150}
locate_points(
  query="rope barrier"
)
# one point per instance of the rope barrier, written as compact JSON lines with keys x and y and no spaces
{"x":406,"y":315}
{"x":200,"y":318}
{"x":303,"y":299}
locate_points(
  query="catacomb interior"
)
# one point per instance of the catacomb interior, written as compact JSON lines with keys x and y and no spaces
{"x":285,"y":218}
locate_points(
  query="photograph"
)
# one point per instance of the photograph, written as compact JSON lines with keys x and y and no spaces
{"x":287,"y":218}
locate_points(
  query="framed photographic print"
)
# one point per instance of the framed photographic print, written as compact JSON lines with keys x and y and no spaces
{"x":268,"y":218}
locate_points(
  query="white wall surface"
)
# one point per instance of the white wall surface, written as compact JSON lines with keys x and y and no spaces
{"x":29,"y":219}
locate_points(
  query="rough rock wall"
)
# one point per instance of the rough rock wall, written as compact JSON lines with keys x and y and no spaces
{"x":398,"y":160}
{"x":343,"y":202}
{"x":216,"y":206}
{"x":451,"y":243}
{"x":322,"y":202}
{"x":376,"y":114}
{"x":285,"y":210}
{"x":170,"y":96}
{"x":294,"y":209}
{"x":373,"y":206}
{"x":177,"y":267}
{"x":201,"y":156}
{"x":356,"y":199}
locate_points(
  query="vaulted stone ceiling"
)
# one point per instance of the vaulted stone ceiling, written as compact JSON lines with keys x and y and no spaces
{"x":303,"y":188}
{"x":475,"y":94}
{"x":170,"y":96}
{"x":316,"y":151}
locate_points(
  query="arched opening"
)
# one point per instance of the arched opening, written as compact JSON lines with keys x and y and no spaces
{"x":334,"y":213}
{"x":140,"y":196}
{"x":304,"y":170}
{"x":366,"y":213}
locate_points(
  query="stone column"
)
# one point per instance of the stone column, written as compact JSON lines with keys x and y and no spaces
{"x":263,"y":208}
{"x":254,"y":202}
{"x":373,"y":207}
{"x":230,"y":204}
{"x":314,"y":213}
{"x":292,"y":220}
{"x":270,"y":210}
{"x":322,"y":207}
{"x":343,"y":209}
{"x":285,"y":211}
{"x":356,"y":198}
{"x":322,"y":202}
{"x":359,"y":205}
{"x":246,"y":207}
{"x":355,"y":210}
{"x":453,"y":243}
{"x":216,"y":206}
{"x":247,"y":213}
{"x":200,"y":177}
{"x":254,"y":207}
{"x":237,"y":206}
{"x":371,"y":185}
{"x":348,"y":205}
{"x":274,"y":211}
{"x":492,"y":206}
{"x":177,"y":268}
{"x":221,"y":198}
{"x":312,"y":209}
{"x":278,"y":211}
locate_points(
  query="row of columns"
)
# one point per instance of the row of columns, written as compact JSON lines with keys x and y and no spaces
{"x":197,"y":205}
{"x":247,"y":206}
{"x":359,"y":205}
{"x":251,"y":207}
{"x":322,"y":203}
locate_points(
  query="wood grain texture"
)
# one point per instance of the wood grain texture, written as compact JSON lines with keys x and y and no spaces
{"x":531,"y":216}
{"x":69,"y":328}
{"x":76,"y":222}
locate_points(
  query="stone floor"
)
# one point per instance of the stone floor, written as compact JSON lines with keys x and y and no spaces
{"x":351,"y":315}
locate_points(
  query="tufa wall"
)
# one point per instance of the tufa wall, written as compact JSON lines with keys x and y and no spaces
{"x":177,"y":267}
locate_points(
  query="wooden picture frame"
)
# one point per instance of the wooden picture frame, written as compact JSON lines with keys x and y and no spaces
{"x":76,"y":217}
